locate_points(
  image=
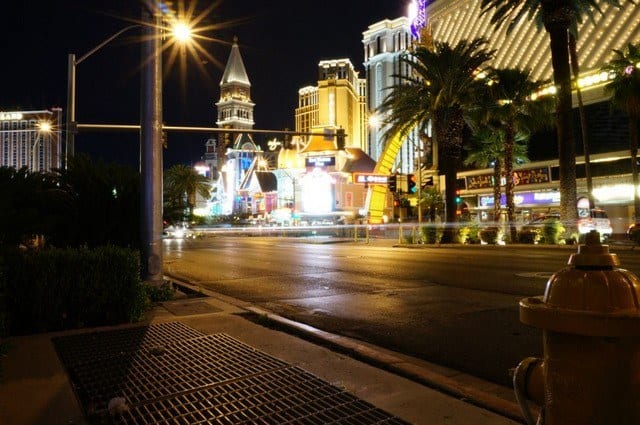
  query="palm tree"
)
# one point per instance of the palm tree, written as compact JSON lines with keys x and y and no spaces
{"x":624,"y":90}
{"x":557,"y":17}
{"x":575,"y":69}
{"x":514,"y":111}
{"x":182,"y":183}
{"x":104,"y":197}
{"x":431,"y":198}
{"x":488,"y":149}
{"x":440,"y":89}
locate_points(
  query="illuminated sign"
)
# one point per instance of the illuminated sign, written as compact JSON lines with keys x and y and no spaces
{"x":365,"y":178}
{"x":7,"y":116}
{"x":525,"y":198}
{"x":520,"y":177}
{"x":417,"y":16}
{"x":273,"y":144}
{"x":320,"y":161}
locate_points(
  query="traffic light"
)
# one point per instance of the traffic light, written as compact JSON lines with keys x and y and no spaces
{"x":458,"y":197}
{"x":340,"y":138}
{"x":412,"y":183}
{"x":392,"y":183}
{"x":427,"y":182}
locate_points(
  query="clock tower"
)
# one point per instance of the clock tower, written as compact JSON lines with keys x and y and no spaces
{"x":235,"y":108}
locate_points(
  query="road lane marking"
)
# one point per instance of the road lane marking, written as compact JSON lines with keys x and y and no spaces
{"x":539,"y":275}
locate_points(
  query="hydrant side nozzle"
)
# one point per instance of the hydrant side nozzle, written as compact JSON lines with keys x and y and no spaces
{"x":528,"y":384}
{"x":529,"y":379}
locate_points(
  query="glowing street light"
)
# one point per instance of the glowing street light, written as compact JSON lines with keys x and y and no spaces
{"x":153,"y":15}
{"x":181,"y":32}
{"x":42,"y":128}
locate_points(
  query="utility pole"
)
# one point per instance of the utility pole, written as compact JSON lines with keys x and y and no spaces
{"x":151,"y":145}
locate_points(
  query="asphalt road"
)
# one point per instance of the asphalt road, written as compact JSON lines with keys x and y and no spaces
{"x":452,"y":305}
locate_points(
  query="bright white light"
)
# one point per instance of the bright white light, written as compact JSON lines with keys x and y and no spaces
{"x":611,"y":193}
{"x":201,"y":212}
{"x":44,"y":126}
{"x":412,"y":11}
{"x":374,"y":120}
{"x":317,"y":193}
{"x":181,"y":32}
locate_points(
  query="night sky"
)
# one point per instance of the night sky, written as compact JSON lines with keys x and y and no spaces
{"x":281,"y":43}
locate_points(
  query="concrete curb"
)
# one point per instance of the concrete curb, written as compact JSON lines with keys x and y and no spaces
{"x":402,"y":366}
{"x":464,"y":387}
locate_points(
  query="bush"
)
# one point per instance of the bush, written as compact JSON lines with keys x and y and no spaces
{"x":431,"y":234}
{"x":161,"y":293}
{"x":489,"y":235}
{"x":529,"y":236}
{"x":469,"y":234}
{"x":552,"y":230}
{"x":3,"y":309}
{"x":60,"y":289}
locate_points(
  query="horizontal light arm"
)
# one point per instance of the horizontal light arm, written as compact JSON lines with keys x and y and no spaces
{"x":105,"y":42}
{"x":136,"y":127}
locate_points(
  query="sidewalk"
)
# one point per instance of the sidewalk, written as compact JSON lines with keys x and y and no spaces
{"x":36,"y":389}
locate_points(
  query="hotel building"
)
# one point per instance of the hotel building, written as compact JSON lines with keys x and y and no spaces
{"x":31,"y":139}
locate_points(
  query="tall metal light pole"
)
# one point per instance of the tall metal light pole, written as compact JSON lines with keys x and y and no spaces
{"x":151,"y":145}
{"x":72,"y":63}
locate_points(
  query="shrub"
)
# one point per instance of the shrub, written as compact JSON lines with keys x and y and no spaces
{"x":431,"y":234}
{"x":3,"y":309}
{"x":59,"y":289}
{"x":490,"y":235}
{"x":552,"y":230}
{"x":529,"y":236}
{"x":161,"y":293}
{"x":469,"y":234}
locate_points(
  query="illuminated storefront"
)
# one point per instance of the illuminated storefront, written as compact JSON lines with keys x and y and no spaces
{"x":537,"y":189}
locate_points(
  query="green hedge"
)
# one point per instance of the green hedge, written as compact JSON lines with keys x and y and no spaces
{"x":58,"y":289}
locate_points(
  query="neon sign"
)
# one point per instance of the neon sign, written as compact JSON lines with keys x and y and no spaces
{"x":418,"y":16}
{"x":364,"y":178}
{"x":7,"y":116}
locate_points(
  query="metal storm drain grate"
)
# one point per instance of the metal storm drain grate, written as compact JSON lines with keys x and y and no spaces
{"x":90,"y":347}
{"x":200,"y":379}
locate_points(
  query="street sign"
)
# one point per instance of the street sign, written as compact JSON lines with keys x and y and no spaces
{"x":367,"y":178}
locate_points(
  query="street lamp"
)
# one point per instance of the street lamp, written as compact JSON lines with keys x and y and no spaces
{"x":43,"y":127}
{"x":153,"y":13}
{"x":151,"y":136}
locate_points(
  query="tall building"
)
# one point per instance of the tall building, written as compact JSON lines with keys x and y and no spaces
{"x":384,"y":43}
{"x":527,"y":47}
{"x":31,"y":139}
{"x":338,"y":101}
{"x":237,"y":154}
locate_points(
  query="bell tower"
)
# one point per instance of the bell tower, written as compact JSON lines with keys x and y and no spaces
{"x":235,"y":108}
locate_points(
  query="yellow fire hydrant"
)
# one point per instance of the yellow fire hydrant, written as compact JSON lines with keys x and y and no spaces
{"x":590,"y":317}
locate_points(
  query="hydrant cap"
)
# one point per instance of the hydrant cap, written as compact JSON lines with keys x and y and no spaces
{"x":593,"y":253}
{"x":590,"y":297}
